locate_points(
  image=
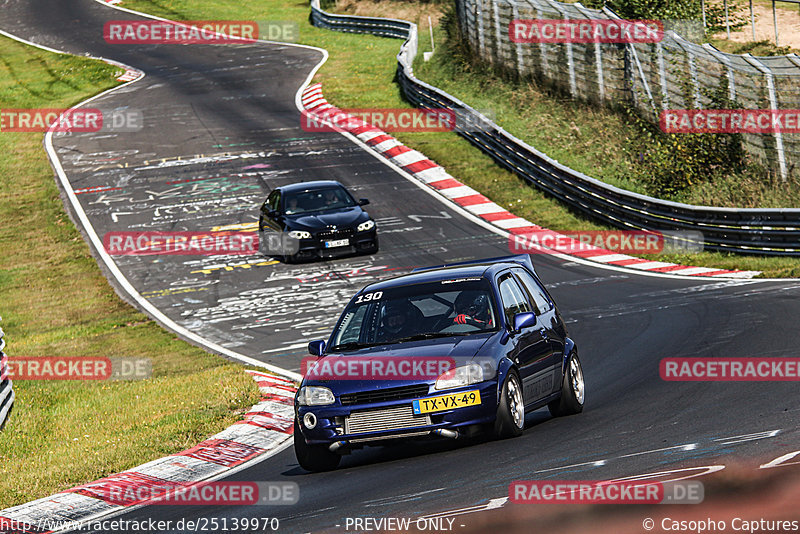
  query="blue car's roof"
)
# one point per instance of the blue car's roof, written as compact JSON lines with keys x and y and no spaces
{"x":306,"y":186}
{"x":471,"y":269}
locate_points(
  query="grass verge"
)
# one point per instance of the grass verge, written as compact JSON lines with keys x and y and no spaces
{"x":55,"y":302}
{"x":359,"y":75}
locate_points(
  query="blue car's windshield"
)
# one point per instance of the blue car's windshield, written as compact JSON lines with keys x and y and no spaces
{"x":418,"y":311}
{"x":329,"y":198}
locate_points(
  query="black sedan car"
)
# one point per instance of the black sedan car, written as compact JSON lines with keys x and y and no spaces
{"x":316,"y":220}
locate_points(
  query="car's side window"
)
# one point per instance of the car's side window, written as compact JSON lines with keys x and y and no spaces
{"x":540,"y":300}
{"x":274,"y":200}
{"x":352,"y":326}
{"x":514,"y":300}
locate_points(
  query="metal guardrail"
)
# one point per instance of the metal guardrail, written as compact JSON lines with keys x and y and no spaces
{"x":768,"y":231}
{"x":6,"y":391}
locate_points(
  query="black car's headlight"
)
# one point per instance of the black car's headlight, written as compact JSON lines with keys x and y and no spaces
{"x":315,"y":396}
{"x":299,"y":234}
{"x":366,"y":225}
{"x":466,"y":375}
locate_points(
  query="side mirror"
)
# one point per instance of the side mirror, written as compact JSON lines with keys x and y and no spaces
{"x":315,"y":348}
{"x":363,"y":201}
{"x":524,"y":320}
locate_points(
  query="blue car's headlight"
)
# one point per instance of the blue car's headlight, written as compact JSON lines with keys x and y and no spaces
{"x":367,"y":225}
{"x":299,"y":234}
{"x":315,"y":396}
{"x":472,"y":373}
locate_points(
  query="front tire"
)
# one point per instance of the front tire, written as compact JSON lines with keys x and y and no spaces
{"x":510,"y":420}
{"x":313,"y":458}
{"x":572,"y":390}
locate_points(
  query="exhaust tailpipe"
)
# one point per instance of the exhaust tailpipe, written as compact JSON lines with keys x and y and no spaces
{"x":336,"y":445}
{"x":446,"y":433}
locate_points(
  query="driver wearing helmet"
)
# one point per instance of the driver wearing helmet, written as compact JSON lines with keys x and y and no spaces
{"x":472,"y":308}
{"x":397,"y":320}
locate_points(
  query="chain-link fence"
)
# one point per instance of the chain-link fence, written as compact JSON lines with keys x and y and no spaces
{"x":673,"y":73}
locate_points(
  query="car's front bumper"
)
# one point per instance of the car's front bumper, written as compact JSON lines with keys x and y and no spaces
{"x":332,"y":420}
{"x":359,"y":242}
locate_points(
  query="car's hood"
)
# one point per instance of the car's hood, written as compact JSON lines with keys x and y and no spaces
{"x":428,"y":355}
{"x":342,"y":218}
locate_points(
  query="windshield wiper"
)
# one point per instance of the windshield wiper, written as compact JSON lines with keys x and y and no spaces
{"x":430,"y":335}
{"x":351,"y":345}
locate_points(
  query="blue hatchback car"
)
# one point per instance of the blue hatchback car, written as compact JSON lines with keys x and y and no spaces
{"x":445,"y":351}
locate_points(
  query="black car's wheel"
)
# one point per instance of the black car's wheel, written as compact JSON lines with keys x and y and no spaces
{"x":510,"y":420}
{"x":572,"y":390}
{"x":313,"y":458}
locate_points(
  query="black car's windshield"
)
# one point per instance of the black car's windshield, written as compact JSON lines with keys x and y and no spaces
{"x":323,"y":199}
{"x":418,"y":311}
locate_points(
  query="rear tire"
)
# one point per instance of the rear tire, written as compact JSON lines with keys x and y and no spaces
{"x":572,"y":390}
{"x":313,"y":458}
{"x":510,"y":420}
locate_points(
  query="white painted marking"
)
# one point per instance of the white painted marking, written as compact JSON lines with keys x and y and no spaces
{"x":386,"y":145}
{"x":517,"y":222}
{"x":650,"y":265}
{"x":407,"y":158}
{"x":487,"y":207}
{"x":458,"y":192}
{"x":285,"y":348}
{"x":704,"y":470}
{"x":610,"y":257}
{"x":748,"y":437}
{"x":694,"y":270}
{"x":492,"y":504}
{"x":434,"y":174}
{"x":781,"y":461}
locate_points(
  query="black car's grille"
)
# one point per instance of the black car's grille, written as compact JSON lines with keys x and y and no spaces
{"x":330,"y":235}
{"x":383,"y":395}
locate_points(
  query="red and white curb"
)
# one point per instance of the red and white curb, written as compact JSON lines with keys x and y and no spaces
{"x":263,"y":431}
{"x":428,"y":172}
{"x":130,"y":73}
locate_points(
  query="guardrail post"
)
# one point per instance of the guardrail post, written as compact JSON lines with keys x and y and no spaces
{"x":727,"y":64}
{"x":598,"y":56}
{"x":545,"y":67}
{"x":692,"y":67}
{"x":517,"y":46}
{"x":773,"y":104}
{"x":573,"y":90}
{"x":497,"y":46}
{"x":481,"y":37}
{"x":662,"y":76}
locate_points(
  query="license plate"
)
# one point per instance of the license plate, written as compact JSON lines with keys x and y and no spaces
{"x":337,"y":243}
{"x":447,"y":402}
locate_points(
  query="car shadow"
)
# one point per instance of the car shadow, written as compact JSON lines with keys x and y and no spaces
{"x":403,"y":450}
